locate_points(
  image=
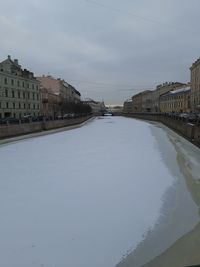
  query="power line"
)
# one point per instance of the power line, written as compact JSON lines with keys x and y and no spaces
{"x":174,"y":27}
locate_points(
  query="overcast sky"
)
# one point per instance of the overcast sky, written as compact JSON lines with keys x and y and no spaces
{"x":108,"y":49}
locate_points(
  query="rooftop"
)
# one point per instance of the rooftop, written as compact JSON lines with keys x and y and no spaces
{"x":178,"y":91}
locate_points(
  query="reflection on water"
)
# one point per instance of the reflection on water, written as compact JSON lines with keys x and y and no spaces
{"x":179,"y":213}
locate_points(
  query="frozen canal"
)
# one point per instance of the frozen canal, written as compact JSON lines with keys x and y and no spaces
{"x":87,"y":197}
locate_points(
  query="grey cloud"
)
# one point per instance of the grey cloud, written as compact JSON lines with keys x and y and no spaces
{"x":137,"y":43}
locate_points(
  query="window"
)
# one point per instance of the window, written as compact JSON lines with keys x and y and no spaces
{"x":12,"y":82}
{"x":23,"y":84}
{"x":6,"y":93}
{"x":33,"y":87}
{"x":18,"y":83}
{"x":24,"y":96}
{"x":7,"y":105}
{"x":5,"y":80}
{"x":18,"y":94}
{"x":13,"y":104}
{"x":13,"y":94}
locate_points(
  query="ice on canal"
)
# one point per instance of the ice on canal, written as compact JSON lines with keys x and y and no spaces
{"x":84,"y":197}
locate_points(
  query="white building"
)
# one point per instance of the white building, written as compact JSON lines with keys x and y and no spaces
{"x":19,"y":91}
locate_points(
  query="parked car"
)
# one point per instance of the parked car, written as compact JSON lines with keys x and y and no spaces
{"x":66,"y":116}
{"x":184,"y":116}
{"x":192,"y":117}
{"x":198,"y":116}
{"x":35,"y":118}
{"x":59,"y":117}
{"x":3,"y":121}
{"x":26,"y":118}
{"x":71,"y":115}
{"x":40,"y":117}
{"x":9,"y":120}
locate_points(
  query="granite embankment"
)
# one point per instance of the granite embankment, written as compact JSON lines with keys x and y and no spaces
{"x":188,"y":130}
{"x":7,"y":131}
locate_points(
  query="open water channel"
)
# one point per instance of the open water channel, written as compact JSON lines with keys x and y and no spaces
{"x":115,"y":192}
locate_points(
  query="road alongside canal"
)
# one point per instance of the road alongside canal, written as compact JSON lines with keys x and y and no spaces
{"x":88,"y":197}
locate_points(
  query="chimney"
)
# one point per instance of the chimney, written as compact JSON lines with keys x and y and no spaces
{"x":16,"y":61}
{"x":9,"y":57}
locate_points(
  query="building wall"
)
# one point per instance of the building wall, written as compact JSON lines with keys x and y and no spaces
{"x":147,"y":101}
{"x":27,"y":128}
{"x":137,"y":103}
{"x":128,"y":106}
{"x":195,"y":86}
{"x":53,"y":85}
{"x":75,"y":95}
{"x":19,"y":92}
{"x":59,"y":87}
{"x":162,"y":89}
{"x":50,"y":106}
{"x":176,"y":102}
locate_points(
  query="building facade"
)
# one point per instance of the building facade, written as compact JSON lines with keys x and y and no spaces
{"x":147,"y":101}
{"x":60,"y":87}
{"x":195,"y":86}
{"x":55,"y":86}
{"x":57,"y":95}
{"x":137,"y":103}
{"x":50,"y":106}
{"x":176,"y":101}
{"x":74,"y":95}
{"x":19,"y":91}
{"x":142,"y":101}
{"x":162,"y":89}
{"x":128,"y":106}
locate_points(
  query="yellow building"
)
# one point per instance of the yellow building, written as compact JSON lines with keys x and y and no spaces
{"x":195,"y":86}
{"x":176,"y":101}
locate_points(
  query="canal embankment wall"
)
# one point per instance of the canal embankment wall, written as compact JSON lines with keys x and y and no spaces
{"x":188,"y":130}
{"x":7,"y":131}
